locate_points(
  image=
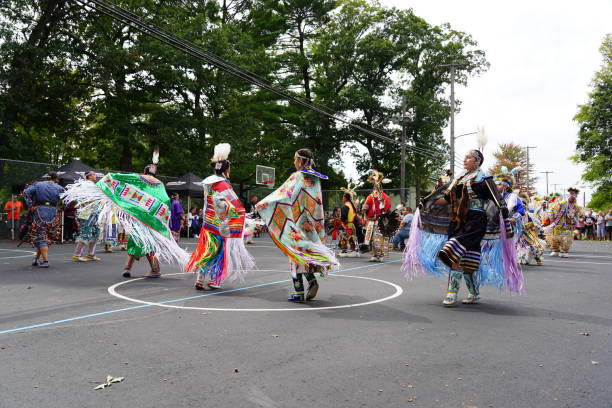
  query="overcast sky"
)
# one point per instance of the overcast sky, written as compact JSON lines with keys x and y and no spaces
{"x":543,"y":55}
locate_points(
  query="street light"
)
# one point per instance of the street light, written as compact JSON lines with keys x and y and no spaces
{"x":547,"y":173}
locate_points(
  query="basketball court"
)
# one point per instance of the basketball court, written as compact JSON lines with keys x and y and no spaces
{"x":369,"y":339}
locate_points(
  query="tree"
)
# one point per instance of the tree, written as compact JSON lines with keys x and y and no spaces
{"x":594,"y":145}
{"x":388,"y":54}
{"x":511,"y":156}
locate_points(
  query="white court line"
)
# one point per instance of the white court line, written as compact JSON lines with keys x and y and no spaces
{"x":398,"y":292}
{"x":576,"y":262}
{"x":29,"y":254}
{"x":589,"y":256}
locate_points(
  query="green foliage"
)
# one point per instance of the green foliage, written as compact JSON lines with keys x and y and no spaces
{"x":75,"y":83}
{"x":594,"y":145}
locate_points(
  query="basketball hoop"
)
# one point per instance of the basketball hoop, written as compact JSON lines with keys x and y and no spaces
{"x":265,"y":176}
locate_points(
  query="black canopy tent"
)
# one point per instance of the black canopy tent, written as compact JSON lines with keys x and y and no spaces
{"x":188,"y":185}
{"x":68,"y":177}
{"x":75,"y":166}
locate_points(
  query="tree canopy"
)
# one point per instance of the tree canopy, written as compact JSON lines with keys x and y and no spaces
{"x":75,"y":83}
{"x":594,"y":145}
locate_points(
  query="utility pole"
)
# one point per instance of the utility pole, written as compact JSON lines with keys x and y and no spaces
{"x":547,"y":173}
{"x":528,"y":169}
{"x":452,"y":120}
{"x":555,"y":186}
{"x":403,"y":159}
{"x":452,"y":113}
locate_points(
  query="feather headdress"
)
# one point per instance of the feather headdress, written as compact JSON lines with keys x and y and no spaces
{"x":350,"y":190}
{"x":377,"y":179}
{"x":222,"y":151}
{"x":507,"y":177}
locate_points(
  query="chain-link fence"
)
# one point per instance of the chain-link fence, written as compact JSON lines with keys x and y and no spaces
{"x":15,"y":175}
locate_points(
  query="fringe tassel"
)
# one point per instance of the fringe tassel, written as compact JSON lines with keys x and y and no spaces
{"x":220,"y":258}
{"x":318,"y":254}
{"x":421,"y":253}
{"x":88,"y":196}
{"x":512,"y":271}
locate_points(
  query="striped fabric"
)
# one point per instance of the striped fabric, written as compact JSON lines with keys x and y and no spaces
{"x":223,"y":196}
{"x":453,"y":250}
{"x":470,"y":261}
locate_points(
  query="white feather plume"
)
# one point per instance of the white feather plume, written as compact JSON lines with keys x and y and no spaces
{"x":222,"y":151}
{"x":515,"y":170}
{"x":482,"y":138}
{"x":155,"y":158}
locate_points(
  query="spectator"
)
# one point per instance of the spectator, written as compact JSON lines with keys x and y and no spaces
{"x":601,"y":226}
{"x":589,"y":225}
{"x":14,"y":209}
{"x":580,"y":227}
{"x":194,"y":225}
{"x":250,"y":206}
{"x":609,"y":224}
{"x":70,"y":226}
{"x":177,"y":217}
{"x":404,"y":230}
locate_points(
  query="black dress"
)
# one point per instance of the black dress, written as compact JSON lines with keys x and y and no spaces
{"x":468,"y":200}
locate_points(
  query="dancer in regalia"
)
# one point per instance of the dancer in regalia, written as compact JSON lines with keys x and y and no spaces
{"x":88,"y":229}
{"x":461,"y":230}
{"x":562,"y":218}
{"x":529,"y":245}
{"x":139,"y":204}
{"x":505,"y":183}
{"x":375,"y":207}
{"x":295,"y":219}
{"x":352,"y":233}
{"x":221,"y":253}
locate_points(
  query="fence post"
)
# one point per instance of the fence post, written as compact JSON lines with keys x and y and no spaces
{"x":13,"y":217}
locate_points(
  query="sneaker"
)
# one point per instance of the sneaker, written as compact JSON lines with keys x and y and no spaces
{"x":564,"y":255}
{"x":92,"y":258}
{"x":374,"y":259}
{"x":35,"y":262}
{"x":352,"y":254}
{"x":213,"y":285}
{"x":554,"y":253}
{"x":199,"y":286}
{"x":449,"y":300}
{"x":76,"y":258}
{"x":471,"y":299}
{"x":126,"y":273}
{"x":43,"y":264}
{"x":82,"y":259}
{"x":151,"y":274}
{"x":296,"y":297}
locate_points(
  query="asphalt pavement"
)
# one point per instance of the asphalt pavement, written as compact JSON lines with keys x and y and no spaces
{"x":369,"y":339}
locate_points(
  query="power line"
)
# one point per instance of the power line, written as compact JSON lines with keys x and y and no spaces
{"x":150,"y":29}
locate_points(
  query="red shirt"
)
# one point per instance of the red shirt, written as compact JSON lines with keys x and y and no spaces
{"x":377,"y":206}
{"x":14,"y":209}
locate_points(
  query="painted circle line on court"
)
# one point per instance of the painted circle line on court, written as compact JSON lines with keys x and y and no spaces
{"x":398,"y":292}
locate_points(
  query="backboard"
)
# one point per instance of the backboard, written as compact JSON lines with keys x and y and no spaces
{"x":265,"y":176}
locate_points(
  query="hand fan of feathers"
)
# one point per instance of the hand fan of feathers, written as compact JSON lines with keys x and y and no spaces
{"x":388,"y":223}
